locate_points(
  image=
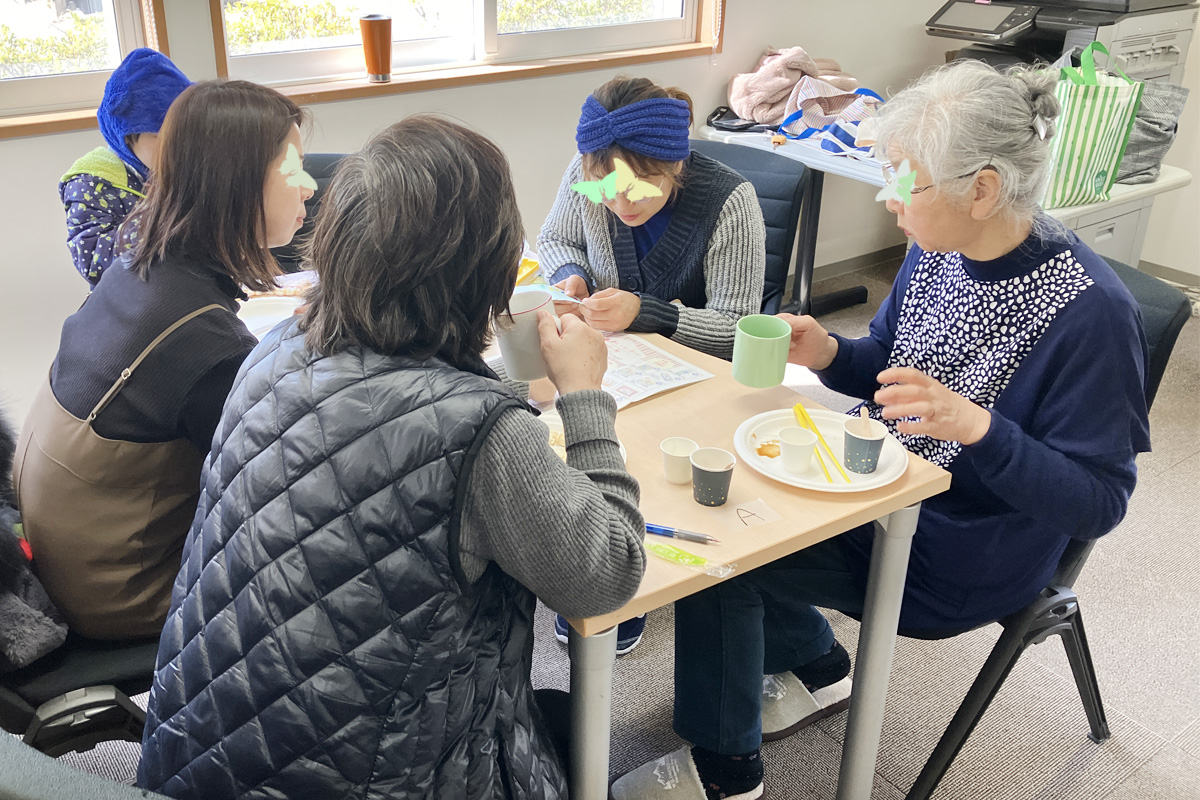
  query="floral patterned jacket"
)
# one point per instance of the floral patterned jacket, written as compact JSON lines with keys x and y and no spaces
{"x":98,"y":192}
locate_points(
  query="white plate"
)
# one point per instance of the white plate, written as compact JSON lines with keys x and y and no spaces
{"x":263,"y":313}
{"x":893,"y":460}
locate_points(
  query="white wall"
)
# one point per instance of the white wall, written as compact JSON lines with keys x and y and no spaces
{"x":883,"y":43}
{"x":1173,"y":238}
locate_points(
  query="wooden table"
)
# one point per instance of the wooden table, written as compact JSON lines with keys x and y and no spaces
{"x":709,"y":412}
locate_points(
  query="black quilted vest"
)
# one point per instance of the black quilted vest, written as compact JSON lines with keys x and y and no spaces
{"x":322,"y":640}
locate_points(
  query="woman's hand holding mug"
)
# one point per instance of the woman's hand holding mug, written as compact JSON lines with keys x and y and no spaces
{"x":576,"y":357}
{"x":811,"y":346}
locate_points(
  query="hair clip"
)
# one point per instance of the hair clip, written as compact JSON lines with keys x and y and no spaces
{"x":1039,"y":126}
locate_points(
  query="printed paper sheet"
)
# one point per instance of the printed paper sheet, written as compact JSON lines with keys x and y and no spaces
{"x":638,"y":369}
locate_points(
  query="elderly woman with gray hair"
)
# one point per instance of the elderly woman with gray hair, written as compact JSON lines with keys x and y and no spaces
{"x":1008,"y":353}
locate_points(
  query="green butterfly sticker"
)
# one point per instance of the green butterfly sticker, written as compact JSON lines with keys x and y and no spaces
{"x":292,"y":169}
{"x":899,"y":186}
{"x":622,"y":180}
{"x":598,"y":191}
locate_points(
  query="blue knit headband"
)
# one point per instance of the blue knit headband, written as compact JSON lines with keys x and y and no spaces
{"x":657,"y":128}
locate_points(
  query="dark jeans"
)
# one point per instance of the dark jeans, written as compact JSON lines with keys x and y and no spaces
{"x":762,"y":622}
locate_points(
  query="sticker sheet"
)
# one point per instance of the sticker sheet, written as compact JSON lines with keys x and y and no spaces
{"x":638,"y":369}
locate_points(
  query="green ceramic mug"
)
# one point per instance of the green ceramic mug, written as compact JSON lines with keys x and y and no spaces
{"x":760,"y":350}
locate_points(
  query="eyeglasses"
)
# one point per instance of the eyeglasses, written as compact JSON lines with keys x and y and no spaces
{"x":890,"y":177}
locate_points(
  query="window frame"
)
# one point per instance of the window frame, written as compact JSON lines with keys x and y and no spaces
{"x":329,"y":65}
{"x":709,"y":40}
{"x":137,"y":26}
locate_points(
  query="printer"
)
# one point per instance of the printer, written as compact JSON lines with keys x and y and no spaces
{"x":1148,"y":38}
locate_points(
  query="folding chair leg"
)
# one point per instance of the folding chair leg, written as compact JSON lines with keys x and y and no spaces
{"x":1075,"y":643}
{"x":999,"y":663}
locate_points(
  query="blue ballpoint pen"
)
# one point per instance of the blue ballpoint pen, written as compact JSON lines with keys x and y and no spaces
{"x":676,"y":533}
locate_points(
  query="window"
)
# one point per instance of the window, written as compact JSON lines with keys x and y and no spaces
{"x":296,"y":41}
{"x":281,"y":41}
{"x":64,"y":49}
{"x":547,"y":28}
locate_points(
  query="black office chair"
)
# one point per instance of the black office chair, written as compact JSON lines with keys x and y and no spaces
{"x":1164,"y":311}
{"x":321,"y":166}
{"x":79,"y":695}
{"x":779,"y":184}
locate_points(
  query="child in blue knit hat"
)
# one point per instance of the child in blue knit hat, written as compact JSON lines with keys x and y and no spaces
{"x":102,"y":187}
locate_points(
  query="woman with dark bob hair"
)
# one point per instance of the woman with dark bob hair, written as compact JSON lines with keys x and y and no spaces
{"x":354,"y":612}
{"x":109,"y":461}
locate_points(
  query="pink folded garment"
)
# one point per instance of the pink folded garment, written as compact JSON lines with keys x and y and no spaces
{"x":823,"y":103}
{"x":762,"y":95}
{"x":831,"y":72}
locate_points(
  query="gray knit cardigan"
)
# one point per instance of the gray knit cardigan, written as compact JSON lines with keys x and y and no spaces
{"x":582,"y":237}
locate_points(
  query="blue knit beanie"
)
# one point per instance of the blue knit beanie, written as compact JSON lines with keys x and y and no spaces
{"x":136,"y":99}
{"x":657,"y":128}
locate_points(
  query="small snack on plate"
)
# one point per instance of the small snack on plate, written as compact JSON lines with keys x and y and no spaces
{"x":295,"y":284}
{"x":558,"y":443}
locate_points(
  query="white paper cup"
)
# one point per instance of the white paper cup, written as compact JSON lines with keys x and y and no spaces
{"x":677,"y":459}
{"x":517,"y":334}
{"x":796,"y":445}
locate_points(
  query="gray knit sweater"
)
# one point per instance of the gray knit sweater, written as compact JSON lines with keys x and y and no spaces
{"x":571,"y":533}
{"x":582,"y":237}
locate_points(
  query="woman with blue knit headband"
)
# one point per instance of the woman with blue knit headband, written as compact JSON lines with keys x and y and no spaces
{"x":653,"y":237}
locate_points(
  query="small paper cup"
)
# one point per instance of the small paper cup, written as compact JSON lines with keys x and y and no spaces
{"x":797,"y":446}
{"x":864,"y":442}
{"x":712,"y":471}
{"x":677,"y":459}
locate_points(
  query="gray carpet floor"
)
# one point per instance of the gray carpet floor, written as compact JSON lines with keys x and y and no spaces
{"x":1139,"y":594}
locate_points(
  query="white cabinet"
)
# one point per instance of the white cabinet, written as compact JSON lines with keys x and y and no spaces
{"x":1118,"y":232}
{"x":1117,"y":228}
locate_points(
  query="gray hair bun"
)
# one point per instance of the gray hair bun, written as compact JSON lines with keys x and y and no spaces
{"x":1038,"y":88}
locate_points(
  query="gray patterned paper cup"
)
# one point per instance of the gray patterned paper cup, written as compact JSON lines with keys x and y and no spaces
{"x":864,"y":443}
{"x":712,"y":471}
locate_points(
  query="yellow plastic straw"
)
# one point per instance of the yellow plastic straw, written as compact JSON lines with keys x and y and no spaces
{"x":801,"y":409}
{"x":807,"y":425}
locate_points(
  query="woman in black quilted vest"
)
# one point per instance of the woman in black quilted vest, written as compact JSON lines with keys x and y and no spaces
{"x":353,"y":617}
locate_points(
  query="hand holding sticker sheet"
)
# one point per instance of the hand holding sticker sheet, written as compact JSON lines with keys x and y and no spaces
{"x":899,"y":185}
{"x":621,"y":180}
{"x":292,"y":169}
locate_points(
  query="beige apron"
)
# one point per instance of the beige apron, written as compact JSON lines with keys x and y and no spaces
{"x":106,"y":519}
